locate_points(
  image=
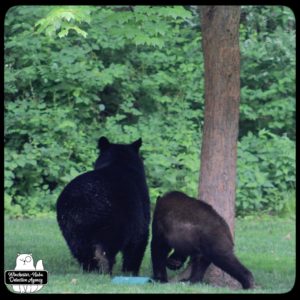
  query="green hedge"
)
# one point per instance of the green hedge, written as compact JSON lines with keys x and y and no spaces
{"x":62,"y":94}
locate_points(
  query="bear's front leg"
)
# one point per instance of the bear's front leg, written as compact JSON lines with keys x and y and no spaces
{"x":159,"y":255}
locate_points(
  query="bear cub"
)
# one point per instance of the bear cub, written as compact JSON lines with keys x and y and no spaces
{"x":107,"y":210}
{"x":192,"y":228}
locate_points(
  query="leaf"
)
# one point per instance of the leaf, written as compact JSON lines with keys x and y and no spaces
{"x":68,"y":15}
{"x":61,"y":18}
{"x":156,"y":42}
{"x":79,"y":31}
{"x":8,"y":183}
{"x":141,"y":39}
{"x":63,"y":33}
{"x":66,"y":123}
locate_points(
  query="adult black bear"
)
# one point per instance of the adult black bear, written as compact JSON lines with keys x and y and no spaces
{"x":192,"y":228}
{"x":107,"y":210}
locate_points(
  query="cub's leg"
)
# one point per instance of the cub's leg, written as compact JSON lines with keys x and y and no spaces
{"x":230,"y":264}
{"x":200,"y":264}
{"x":159,"y":254}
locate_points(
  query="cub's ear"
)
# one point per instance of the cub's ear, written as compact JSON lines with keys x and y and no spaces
{"x":137,"y":144}
{"x":103,"y":143}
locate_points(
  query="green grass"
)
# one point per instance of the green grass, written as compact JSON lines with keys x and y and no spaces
{"x":266,"y":245}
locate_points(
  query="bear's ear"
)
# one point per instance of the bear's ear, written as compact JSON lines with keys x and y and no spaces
{"x":103,"y":143}
{"x":137,"y":144}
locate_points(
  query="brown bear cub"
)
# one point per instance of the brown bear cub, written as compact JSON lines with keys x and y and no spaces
{"x":192,"y":228}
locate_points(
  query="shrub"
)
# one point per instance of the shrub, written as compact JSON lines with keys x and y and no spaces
{"x":141,"y":76}
{"x":266,"y":172}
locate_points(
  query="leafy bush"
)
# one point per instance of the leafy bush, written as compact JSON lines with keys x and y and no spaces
{"x":44,"y":150}
{"x":266,"y":172}
{"x":268,"y":64}
{"x":70,"y":79}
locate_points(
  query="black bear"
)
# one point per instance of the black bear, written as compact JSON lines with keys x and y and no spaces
{"x":192,"y":228}
{"x":107,"y":210}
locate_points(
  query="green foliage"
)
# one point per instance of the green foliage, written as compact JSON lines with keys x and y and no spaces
{"x":268,"y":70}
{"x":142,"y":26}
{"x":129,"y":73}
{"x":289,"y":208}
{"x":45,"y":158}
{"x":61,"y":20}
{"x":266,"y":172}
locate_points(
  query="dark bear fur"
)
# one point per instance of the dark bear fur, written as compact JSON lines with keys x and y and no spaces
{"x":107,"y":210}
{"x":192,"y":228}
{"x":175,"y":261}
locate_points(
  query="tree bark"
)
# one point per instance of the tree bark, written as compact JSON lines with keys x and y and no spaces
{"x":220,"y":43}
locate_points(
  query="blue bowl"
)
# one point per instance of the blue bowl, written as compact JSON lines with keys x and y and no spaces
{"x":131,"y":280}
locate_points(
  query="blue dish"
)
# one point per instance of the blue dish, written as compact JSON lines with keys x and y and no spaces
{"x":131,"y":280}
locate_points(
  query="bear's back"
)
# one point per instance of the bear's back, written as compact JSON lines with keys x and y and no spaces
{"x":104,"y":189}
{"x":176,"y":209}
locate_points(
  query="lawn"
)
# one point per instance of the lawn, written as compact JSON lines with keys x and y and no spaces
{"x":266,"y":245}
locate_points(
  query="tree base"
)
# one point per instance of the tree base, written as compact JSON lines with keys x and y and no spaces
{"x":216,"y":277}
{"x":213,"y":276}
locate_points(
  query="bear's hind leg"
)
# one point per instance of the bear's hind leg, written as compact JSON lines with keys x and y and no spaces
{"x":230,"y":264}
{"x":84,"y":253}
{"x":199,"y":266}
{"x":133,"y":255}
{"x":89,"y":266}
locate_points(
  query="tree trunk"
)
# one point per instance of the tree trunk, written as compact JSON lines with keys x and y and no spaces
{"x":220,"y":42}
